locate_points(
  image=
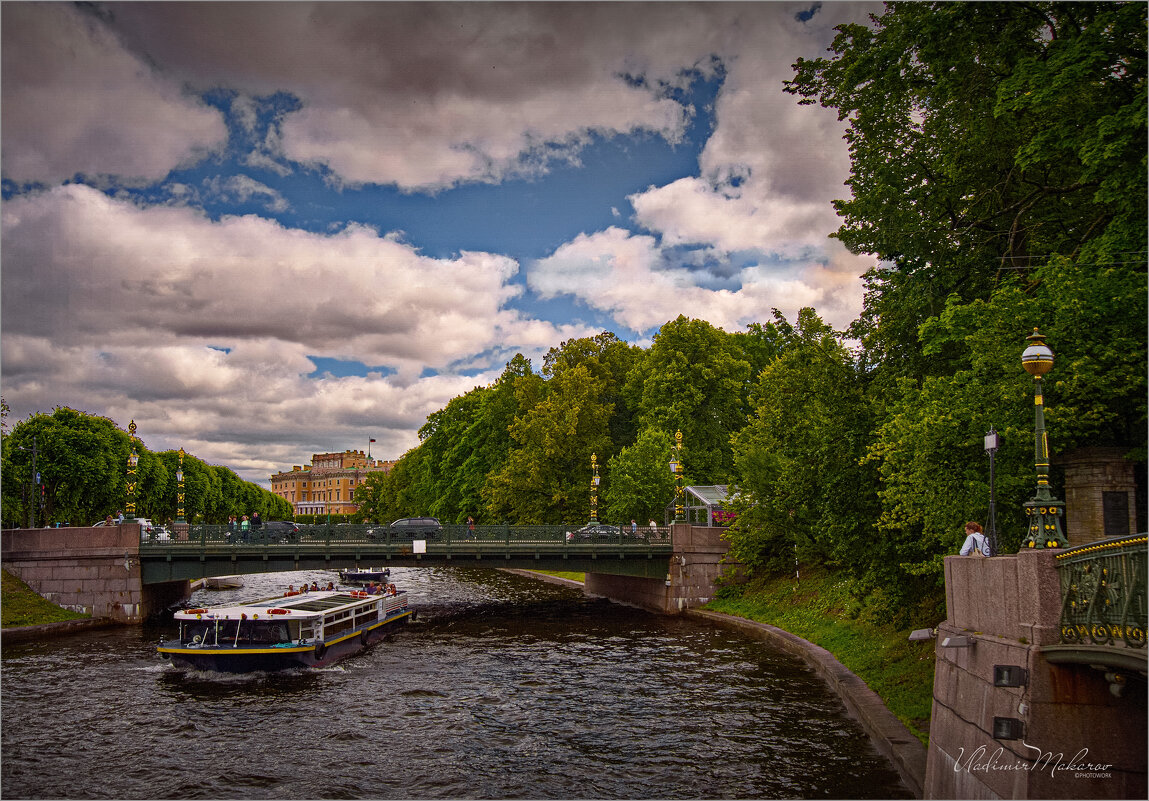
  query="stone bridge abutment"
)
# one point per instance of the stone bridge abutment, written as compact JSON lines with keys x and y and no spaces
{"x":1010,"y":722}
{"x":95,"y":571}
{"x":691,"y":577}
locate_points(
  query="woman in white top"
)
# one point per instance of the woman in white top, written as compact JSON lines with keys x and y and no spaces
{"x":975,"y":542}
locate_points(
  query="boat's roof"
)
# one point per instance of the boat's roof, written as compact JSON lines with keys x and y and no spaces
{"x":303,"y":605}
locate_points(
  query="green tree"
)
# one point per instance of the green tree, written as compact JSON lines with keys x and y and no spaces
{"x":81,"y":460}
{"x":694,"y":379}
{"x":444,"y":449}
{"x":801,"y":487}
{"x":609,"y":361}
{"x":984,"y":137}
{"x":547,"y":475}
{"x":384,"y":497}
{"x":203,"y":490}
{"x":488,"y":443}
{"x":641,"y":484}
{"x":998,"y":168}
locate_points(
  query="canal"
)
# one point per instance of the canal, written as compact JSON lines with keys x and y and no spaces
{"x":504,"y":687}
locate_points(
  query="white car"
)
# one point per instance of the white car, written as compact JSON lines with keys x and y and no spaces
{"x":152,"y":532}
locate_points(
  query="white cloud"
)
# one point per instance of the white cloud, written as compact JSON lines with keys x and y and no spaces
{"x":127,"y":311}
{"x":426,"y":95}
{"x":252,"y":409}
{"x":242,"y":188}
{"x":635,"y":279}
{"x":78,"y":263}
{"x":75,"y":101}
{"x":120,"y":309}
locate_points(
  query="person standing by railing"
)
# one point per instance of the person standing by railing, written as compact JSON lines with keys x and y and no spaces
{"x":975,"y":541}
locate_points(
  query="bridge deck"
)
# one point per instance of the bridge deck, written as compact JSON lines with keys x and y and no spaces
{"x":203,"y":551}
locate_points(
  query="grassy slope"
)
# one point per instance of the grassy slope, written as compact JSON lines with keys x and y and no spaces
{"x":572,"y":576}
{"x":21,"y":606}
{"x":900,"y":671}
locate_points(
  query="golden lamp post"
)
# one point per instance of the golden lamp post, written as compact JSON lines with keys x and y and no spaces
{"x":594,"y":482}
{"x":132,"y":480}
{"x":1044,"y":512}
{"x":180,"y":489}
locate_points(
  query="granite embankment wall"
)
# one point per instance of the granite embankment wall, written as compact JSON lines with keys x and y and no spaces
{"x":1001,"y":612}
{"x":91,"y":570}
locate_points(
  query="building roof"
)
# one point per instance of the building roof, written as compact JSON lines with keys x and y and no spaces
{"x":712,"y":495}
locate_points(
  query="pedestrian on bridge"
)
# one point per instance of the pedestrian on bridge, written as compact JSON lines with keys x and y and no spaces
{"x":975,"y":542}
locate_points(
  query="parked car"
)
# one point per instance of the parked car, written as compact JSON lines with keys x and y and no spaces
{"x":409,"y":528}
{"x":152,"y":532}
{"x":594,"y":531}
{"x":282,"y":531}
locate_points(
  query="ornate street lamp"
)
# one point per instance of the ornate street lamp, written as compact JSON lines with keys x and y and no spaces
{"x":180,"y":489}
{"x":594,"y":482}
{"x":130,"y":488}
{"x":1044,"y":512}
{"x":676,"y":468}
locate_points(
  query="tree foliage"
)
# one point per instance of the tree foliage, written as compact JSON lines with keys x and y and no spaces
{"x":641,"y":483}
{"x":984,"y":137}
{"x":694,"y":379}
{"x":82,"y":461}
{"x":802,"y":488}
{"x":546,"y":478}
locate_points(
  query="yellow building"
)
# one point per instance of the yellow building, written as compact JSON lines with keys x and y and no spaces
{"x":327,"y":485}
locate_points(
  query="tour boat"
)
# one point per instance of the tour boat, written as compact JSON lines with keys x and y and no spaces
{"x":364,"y":575}
{"x":296,"y":630}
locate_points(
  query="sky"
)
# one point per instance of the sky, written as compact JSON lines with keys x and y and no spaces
{"x":267,"y":230}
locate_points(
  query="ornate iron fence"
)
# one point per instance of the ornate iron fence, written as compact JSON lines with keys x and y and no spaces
{"x":1103,"y":588}
{"x":279,"y":534}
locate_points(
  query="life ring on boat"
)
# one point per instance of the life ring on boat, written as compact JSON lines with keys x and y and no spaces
{"x":196,"y":611}
{"x":358,"y":594}
{"x":363,"y":637}
{"x":391,"y":589}
{"x":320,"y":650}
{"x":278,"y":612}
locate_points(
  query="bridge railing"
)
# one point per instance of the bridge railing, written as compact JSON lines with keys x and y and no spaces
{"x":1103,"y":599}
{"x":277,"y":535}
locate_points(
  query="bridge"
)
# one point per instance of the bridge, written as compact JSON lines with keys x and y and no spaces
{"x":202,"y":551}
{"x":108,"y":572}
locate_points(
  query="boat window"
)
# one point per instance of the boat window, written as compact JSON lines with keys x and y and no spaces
{"x":198,"y":633}
{"x":253,"y":632}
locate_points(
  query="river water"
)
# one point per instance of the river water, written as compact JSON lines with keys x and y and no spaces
{"x":504,"y":687}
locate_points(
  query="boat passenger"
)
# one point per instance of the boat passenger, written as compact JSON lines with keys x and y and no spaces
{"x":315,"y":586}
{"x":331,"y":585}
